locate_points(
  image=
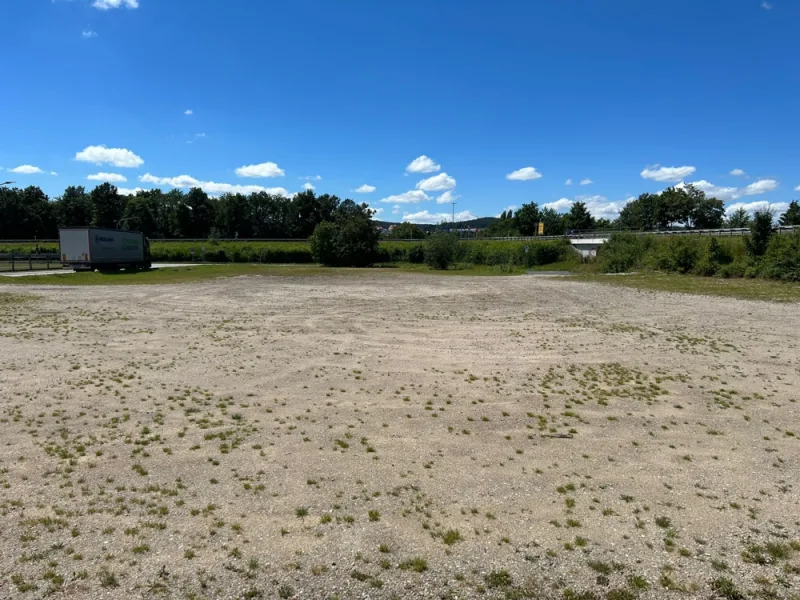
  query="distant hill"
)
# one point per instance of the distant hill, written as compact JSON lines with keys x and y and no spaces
{"x":479,"y":223}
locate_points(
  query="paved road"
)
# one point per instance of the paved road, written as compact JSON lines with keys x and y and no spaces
{"x":70,"y":271}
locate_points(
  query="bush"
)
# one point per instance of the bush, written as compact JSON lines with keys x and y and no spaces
{"x":350,"y":242}
{"x":441,"y":250}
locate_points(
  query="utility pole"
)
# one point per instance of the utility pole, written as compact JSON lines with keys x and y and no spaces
{"x":453,"y":202}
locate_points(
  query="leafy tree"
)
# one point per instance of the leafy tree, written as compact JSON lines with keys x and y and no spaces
{"x":139,"y":216}
{"x":739,"y":218}
{"x":310,"y":210}
{"x":195,"y":215}
{"x":107,"y":206}
{"x":74,"y":208}
{"x":407,"y":231}
{"x":441,"y":250}
{"x":760,"y":232}
{"x":792,"y":215}
{"x":579,"y":217}
{"x":528,"y":218}
{"x":553,"y":222}
{"x":708,"y":213}
{"x":640,"y":214}
{"x":350,"y":240}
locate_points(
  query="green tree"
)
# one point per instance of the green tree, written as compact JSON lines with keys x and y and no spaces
{"x":441,"y":250}
{"x":760,"y":232}
{"x":74,"y":208}
{"x":640,"y":214}
{"x":553,"y":222}
{"x":579,"y":217}
{"x":407,"y":231}
{"x":107,"y":206}
{"x":350,"y":240}
{"x":792,"y":215}
{"x":528,"y":218}
{"x":138,"y":216}
{"x":708,"y":213}
{"x":738,"y":218}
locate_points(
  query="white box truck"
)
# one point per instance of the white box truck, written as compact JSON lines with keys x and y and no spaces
{"x":90,"y":248}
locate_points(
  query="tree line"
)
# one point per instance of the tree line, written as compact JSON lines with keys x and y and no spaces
{"x":29,"y":213}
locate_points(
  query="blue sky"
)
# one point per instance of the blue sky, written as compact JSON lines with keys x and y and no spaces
{"x":491,"y":103}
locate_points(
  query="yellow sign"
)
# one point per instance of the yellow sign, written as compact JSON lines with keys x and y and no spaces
{"x":541,"y":228}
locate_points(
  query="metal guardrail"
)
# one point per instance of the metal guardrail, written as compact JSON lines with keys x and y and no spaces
{"x":14,"y":261}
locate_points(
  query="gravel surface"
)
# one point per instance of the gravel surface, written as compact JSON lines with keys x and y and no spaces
{"x":398,"y":436}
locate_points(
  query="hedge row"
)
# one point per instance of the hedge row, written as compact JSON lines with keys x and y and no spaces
{"x":723,"y":257}
{"x":478,"y":252}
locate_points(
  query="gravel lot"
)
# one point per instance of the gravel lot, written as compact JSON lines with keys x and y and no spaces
{"x":397,"y":436}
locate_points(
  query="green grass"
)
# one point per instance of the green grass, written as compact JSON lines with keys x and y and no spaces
{"x":746,"y":289}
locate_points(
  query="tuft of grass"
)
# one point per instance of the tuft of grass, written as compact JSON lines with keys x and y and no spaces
{"x":498,"y":579}
{"x":452,"y":536}
{"x":418,"y":565}
{"x":725,"y":588}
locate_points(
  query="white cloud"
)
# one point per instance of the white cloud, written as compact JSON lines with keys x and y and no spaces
{"x":437,"y":183}
{"x":525,"y":174}
{"x":423,"y":164}
{"x":308,"y":186}
{"x":559,"y":205}
{"x":365,"y":189}
{"x":117,"y":157}
{"x":312,"y":178}
{"x":568,"y":182}
{"x":188,"y":112}
{"x":737,"y":173}
{"x":425,"y":217}
{"x":512,"y":207}
{"x":267,"y":169}
{"x":766,"y":5}
{"x":26,"y":170}
{"x":110,"y":177}
{"x":777,"y":208}
{"x":659,"y":173}
{"x":396,"y":209}
{"x":586,"y":181}
{"x":599,"y":206}
{"x":761,"y":186}
{"x":53,"y":173}
{"x":410,"y":197}
{"x":129,"y":191}
{"x":88,"y":33}
{"x":211,"y":187}
{"x":447,"y":198}
{"x":106,"y":4}
{"x":797,"y":189}
{"x":377,"y":211}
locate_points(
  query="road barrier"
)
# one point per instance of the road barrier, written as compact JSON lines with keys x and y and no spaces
{"x":14,"y":261}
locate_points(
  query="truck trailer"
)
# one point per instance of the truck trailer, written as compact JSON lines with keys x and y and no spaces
{"x":91,"y":248}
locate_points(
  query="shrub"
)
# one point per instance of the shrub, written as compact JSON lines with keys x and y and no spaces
{"x":760,"y":232}
{"x":441,"y":250}
{"x":350,"y":242}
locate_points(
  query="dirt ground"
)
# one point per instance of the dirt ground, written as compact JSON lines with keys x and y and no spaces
{"x":397,"y":437}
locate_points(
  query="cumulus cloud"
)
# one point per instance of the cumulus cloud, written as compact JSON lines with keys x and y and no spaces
{"x":377,"y":211}
{"x":117,"y":157}
{"x":751,"y":207}
{"x":129,"y":191}
{"x":427,"y":218}
{"x":410,"y":197}
{"x":568,"y":182}
{"x":53,"y":173}
{"x":107,"y":4}
{"x":659,"y":173}
{"x":110,"y":177}
{"x":525,"y":174}
{"x":447,"y":198}
{"x":437,"y":183}
{"x":508,"y":208}
{"x":27,"y":170}
{"x":365,"y":189}
{"x":312,"y":178}
{"x":737,"y":173}
{"x":267,"y":169}
{"x":308,"y":186}
{"x":586,"y":181}
{"x":599,"y":206}
{"x":762,"y":186}
{"x":797,"y":189}
{"x":88,"y":33}
{"x":423,"y":164}
{"x":211,"y":187}
{"x":188,"y":112}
